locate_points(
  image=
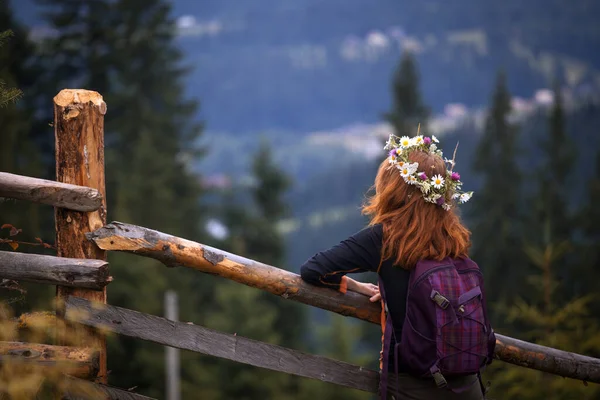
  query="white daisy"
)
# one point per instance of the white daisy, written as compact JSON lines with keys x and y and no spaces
{"x":405,"y":142}
{"x":466,"y":197}
{"x":411,"y":180}
{"x":446,"y":206}
{"x":455,"y":196}
{"x":405,"y":171}
{"x":418,"y":140}
{"x":437,"y":181}
{"x":432,"y":147}
{"x":434,"y":139}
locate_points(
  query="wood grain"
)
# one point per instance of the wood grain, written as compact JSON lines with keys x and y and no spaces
{"x":75,"y":361}
{"x":207,"y":341}
{"x":73,"y":197}
{"x":72,"y":272}
{"x":79,"y":144}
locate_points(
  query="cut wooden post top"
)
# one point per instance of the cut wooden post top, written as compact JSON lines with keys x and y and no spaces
{"x":76,"y":96}
{"x":79,"y":154}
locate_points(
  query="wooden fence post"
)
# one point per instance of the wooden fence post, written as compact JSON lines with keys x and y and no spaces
{"x":79,"y":140}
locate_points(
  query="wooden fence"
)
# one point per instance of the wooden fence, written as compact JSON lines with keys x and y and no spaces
{"x":81,"y":274}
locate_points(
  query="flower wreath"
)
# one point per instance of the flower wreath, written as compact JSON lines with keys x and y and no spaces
{"x":434,"y":188}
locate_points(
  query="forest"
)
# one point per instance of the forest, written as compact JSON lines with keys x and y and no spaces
{"x":535,"y":225}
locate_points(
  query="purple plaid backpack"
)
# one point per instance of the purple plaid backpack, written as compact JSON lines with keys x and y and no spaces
{"x":446,"y":330}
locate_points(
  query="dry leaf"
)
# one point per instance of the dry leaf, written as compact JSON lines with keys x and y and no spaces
{"x":14,"y":231}
{"x":6,"y":226}
{"x":14,"y":245}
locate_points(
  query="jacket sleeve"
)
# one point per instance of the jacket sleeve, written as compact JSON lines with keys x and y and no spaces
{"x":359,"y":253}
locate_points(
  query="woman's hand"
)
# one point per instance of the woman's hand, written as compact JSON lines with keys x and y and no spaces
{"x":368,"y":289}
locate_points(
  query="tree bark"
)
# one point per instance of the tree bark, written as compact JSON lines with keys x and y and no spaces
{"x":207,"y":341}
{"x":72,"y":197}
{"x":82,"y":273}
{"x":174,"y":251}
{"x":79,"y":135}
{"x":74,"y":361}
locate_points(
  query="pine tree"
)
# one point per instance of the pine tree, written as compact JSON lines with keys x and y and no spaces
{"x":558,"y":154}
{"x":408,"y":109}
{"x":552,"y":224}
{"x":125,"y":50}
{"x":497,"y":226}
{"x":545,"y":319}
{"x":20,"y":151}
{"x":252,"y":219}
{"x":265,"y":242}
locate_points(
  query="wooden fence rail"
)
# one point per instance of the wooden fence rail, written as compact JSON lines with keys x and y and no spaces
{"x":207,"y":341}
{"x":64,"y":195}
{"x":174,"y":251}
{"x":72,"y":272}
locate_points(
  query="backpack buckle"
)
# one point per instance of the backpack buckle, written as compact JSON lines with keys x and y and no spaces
{"x":439,"y":299}
{"x":439,"y":379}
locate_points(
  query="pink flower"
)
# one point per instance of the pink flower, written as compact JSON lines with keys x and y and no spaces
{"x":427,"y":140}
{"x":455,"y":176}
{"x":423,"y":176}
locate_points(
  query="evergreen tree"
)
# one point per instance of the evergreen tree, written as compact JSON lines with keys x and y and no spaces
{"x":552,"y":224}
{"x":20,"y":152}
{"x":408,"y":109}
{"x":265,"y":242}
{"x":545,"y":319}
{"x":558,"y":154}
{"x":252,"y":219}
{"x":497,"y":227}
{"x":125,"y":50}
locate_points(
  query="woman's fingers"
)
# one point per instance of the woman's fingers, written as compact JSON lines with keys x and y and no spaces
{"x":375,"y":298}
{"x":374,"y":289}
{"x":371,"y":289}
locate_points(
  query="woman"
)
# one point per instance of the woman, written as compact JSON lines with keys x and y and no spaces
{"x":418,"y":246}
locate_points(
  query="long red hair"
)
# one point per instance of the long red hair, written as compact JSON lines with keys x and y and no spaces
{"x":414,"y":229}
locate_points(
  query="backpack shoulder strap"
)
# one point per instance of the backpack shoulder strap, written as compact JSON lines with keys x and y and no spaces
{"x":388,"y":331}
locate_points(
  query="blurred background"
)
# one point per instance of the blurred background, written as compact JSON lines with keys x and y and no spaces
{"x":256,"y":126}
